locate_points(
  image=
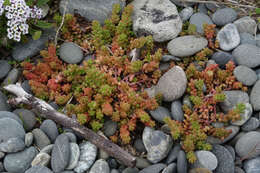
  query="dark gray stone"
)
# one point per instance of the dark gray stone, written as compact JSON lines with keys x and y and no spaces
{"x":182,"y":3}
{"x":161,"y":16}
{"x":172,"y":156}
{"x":205,"y":159}
{"x":199,"y":19}
{"x":12,"y":145}
{"x":252,"y":166}
{"x":110,"y":128}
{"x":171,"y":168}
{"x":142,"y":163}
{"x":39,"y":169}
{"x":3,"y":103}
{"x":41,"y":140}
{"x":251,"y":124}
{"x":245,"y":75}
{"x":225,"y":159}
{"x":2,"y":169}
{"x":21,"y":161}
{"x":246,"y":38}
{"x":160,"y":114}
{"x":92,"y":9}
{"x":202,"y":8}
{"x":26,"y":86}
{"x":6,"y":114}
{"x":186,"y":13}
{"x":49,"y":127}
{"x":255,"y":96}
{"x":156,"y":168}
{"x":231,"y":150}
{"x":60,"y":153}
{"x":72,"y":137}
{"x":182,"y":164}
{"x":248,"y":55}
{"x":5,"y":68}
{"x":239,"y":170}
{"x":27,"y":117}
{"x":224,"y":16}
{"x":12,"y":77}
{"x":139,"y":145}
{"x":71,"y":53}
{"x":130,"y":170}
{"x":176,"y":110}
{"x":222,"y":58}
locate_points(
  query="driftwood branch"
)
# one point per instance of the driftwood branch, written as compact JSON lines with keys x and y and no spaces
{"x":47,"y":111}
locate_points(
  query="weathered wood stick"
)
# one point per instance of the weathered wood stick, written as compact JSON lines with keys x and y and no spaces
{"x":47,"y":111}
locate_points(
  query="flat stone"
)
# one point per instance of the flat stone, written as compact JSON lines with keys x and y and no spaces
{"x":26,"y":86}
{"x":27,"y":117}
{"x":172,"y":84}
{"x":171,"y":168}
{"x":4,"y":106}
{"x":199,"y":19}
{"x":39,"y":169}
{"x":91,"y":10}
{"x":130,"y":170}
{"x":251,"y":124}
{"x":100,"y":166}
{"x":245,"y":75}
{"x":71,"y":53}
{"x":5,"y":68}
{"x":157,"y":18}
{"x":186,"y":13}
{"x":246,"y":38}
{"x":41,"y":140}
{"x":49,"y":127}
{"x":12,"y":145}
{"x":176,"y":110}
{"x":88,"y":153}
{"x":41,"y":159}
{"x":182,"y":164}
{"x":255,"y":96}
{"x":202,"y":8}
{"x":232,"y":151}
{"x":110,"y":128}
{"x":182,"y":3}
{"x":228,"y":37}
{"x":245,"y":146}
{"x":74,"y":156}
{"x":6,"y":114}
{"x":172,"y":156}
{"x":47,"y":149}
{"x":206,"y":159}
{"x":21,"y":161}
{"x":186,"y":45}
{"x":160,"y":114}
{"x":12,"y":77}
{"x":246,"y":24}
{"x":199,"y":170}
{"x":60,"y":153}
{"x":224,"y":16}
{"x":139,"y":145}
{"x":157,"y":144}
{"x":72,"y":137}
{"x":252,"y":165}
{"x":142,"y":163}
{"x":156,"y":168}
{"x":225,"y":159}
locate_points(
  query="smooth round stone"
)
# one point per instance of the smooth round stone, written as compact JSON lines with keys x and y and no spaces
{"x":10,"y":128}
{"x":139,"y":145}
{"x":21,"y":51}
{"x":21,"y":161}
{"x":186,"y":13}
{"x":182,"y":3}
{"x":41,"y":140}
{"x":5,"y":68}
{"x":6,"y":114}
{"x":74,"y":156}
{"x":155,"y":168}
{"x":245,"y":146}
{"x":100,"y":166}
{"x":71,"y":136}
{"x":27,"y":117}
{"x":41,"y":159}
{"x":114,"y":171}
{"x":171,"y":168}
{"x":245,"y":75}
{"x":199,"y":19}
{"x":258,"y":40}
{"x":88,"y":153}
{"x":167,"y":58}
{"x":26,"y":86}
{"x":251,"y":124}
{"x":47,"y":149}
{"x":110,"y":128}
{"x":60,"y":153}
{"x":91,"y":10}
{"x":12,"y":77}
{"x":252,"y":166}
{"x":176,"y":110}
{"x":12,"y":145}
{"x":255,"y":96}
{"x":157,"y":18}
{"x":244,"y":116}
{"x":246,"y":38}
{"x":157,"y":144}
{"x":130,"y":170}
{"x":142,"y":163}
{"x":172,"y":84}
{"x":228,"y":37}
{"x":224,"y":16}
{"x":2,"y":155}
{"x":202,"y":8}
{"x":231,"y":150}
{"x":214,"y":6}
{"x":160,"y":114}
{"x":225,"y":159}
{"x":112,"y":163}
{"x":239,"y":170}
{"x":164,"y":66}
{"x":206,"y":159}
{"x":71,"y":53}
{"x":182,"y":164}
{"x":172,"y":156}
{"x":4,"y":106}
{"x":39,"y":169}
{"x":49,"y":127}
{"x":186,"y":45}
{"x":247,"y":54}
{"x":246,"y":24}
{"x":199,"y":170}
{"x":233,"y":98}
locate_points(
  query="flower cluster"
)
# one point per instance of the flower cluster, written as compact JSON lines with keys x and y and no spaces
{"x":18,"y":12}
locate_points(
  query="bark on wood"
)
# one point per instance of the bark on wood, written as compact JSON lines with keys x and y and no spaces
{"x":47,"y":111}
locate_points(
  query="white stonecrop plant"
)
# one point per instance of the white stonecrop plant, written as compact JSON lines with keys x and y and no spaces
{"x":18,"y":13}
